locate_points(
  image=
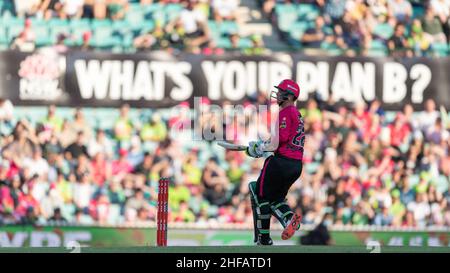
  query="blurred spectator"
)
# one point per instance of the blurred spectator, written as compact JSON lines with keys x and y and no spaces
{"x":25,"y":41}
{"x":94,"y":9}
{"x":192,"y":173}
{"x":216,"y":183}
{"x":30,"y":217}
{"x":82,"y":192}
{"x":117,"y":9}
{"x":121,"y":167}
{"x":401,"y":10}
{"x":60,"y":46}
{"x":418,"y":40}
{"x":123,"y":126}
{"x":6,"y":116}
{"x":26,"y":7}
{"x":100,"y":208}
{"x":145,"y":166}
{"x":64,"y":188}
{"x":36,"y":164}
{"x":157,"y":38}
{"x":437,"y":134}
{"x":80,"y":124}
{"x":155,"y":130}
{"x":52,"y":121}
{"x":333,"y":10}
{"x":225,"y":9}
{"x":234,"y":42}
{"x":23,"y":144}
{"x":57,"y":218}
{"x":148,"y":40}
{"x":51,"y":8}
{"x":6,"y":110}
{"x":135,"y":204}
{"x":176,"y":35}
{"x":100,"y":144}
{"x":77,"y":148}
{"x":397,"y":210}
{"x":420,"y":209}
{"x":442,"y":10}
{"x":383,"y":218}
{"x":357,"y":9}
{"x":257,"y":47}
{"x":338,"y":37}
{"x":194,"y":24}
{"x":135,"y":153}
{"x":399,"y":131}
{"x":212,"y":49}
{"x":314,"y":36}
{"x":82,"y":218}
{"x":428,"y":117}
{"x":432,"y":27}
{"x":85,"y":42}
{"x":235,"y":173}
{"x":398,"y":43}
{"x":71,"y":9}
{"x":355,"y":34}
{"x":378,"y":7}
{"x":184,"y":214}
{"x":101,"y":169}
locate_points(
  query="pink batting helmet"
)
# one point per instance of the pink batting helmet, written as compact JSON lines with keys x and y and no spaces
{"x":289,"y":86}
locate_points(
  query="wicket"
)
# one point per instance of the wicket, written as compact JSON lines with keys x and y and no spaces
{"x":163,"y":212}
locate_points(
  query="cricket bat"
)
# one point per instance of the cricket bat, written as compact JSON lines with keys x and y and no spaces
{"x":231,"y":146}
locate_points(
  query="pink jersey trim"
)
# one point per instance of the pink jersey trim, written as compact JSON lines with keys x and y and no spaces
{"x":262,"y":178}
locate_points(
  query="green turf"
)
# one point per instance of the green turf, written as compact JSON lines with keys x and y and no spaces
{"x":233,"y":249}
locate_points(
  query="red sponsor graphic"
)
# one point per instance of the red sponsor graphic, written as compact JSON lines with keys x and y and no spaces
{"x":39,"y":66}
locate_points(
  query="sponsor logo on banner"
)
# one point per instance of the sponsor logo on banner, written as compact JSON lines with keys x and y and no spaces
{"x":39,"y":76}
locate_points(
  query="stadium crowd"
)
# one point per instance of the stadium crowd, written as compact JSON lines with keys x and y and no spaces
{"x":360,"y":165}
{"x":187,"y":27}
{"x":395,"y":27}
{"x":404,"y":28}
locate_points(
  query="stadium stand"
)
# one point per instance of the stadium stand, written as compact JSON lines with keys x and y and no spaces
{"x":117,"y":34}
{"x":363,"y":27}
{"x":349,"y":27}
{"x":132,"y":145}
{"x":108,"y":173}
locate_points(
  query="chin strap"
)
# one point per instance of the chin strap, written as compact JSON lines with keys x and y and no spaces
{"x":285,"y":94}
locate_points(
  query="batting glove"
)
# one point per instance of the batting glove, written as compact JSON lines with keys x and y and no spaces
{"x":254,"y":149}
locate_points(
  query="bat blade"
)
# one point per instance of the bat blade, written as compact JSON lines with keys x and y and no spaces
{"x":231,"y":146}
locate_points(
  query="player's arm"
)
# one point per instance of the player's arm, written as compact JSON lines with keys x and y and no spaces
{"x":281,"y":133}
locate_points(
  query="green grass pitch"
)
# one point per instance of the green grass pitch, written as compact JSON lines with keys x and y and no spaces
{"x":233,"y":249}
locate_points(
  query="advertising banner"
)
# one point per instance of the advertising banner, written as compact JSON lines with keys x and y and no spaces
{"x":25,"y":236}
{"x":158,"y":79}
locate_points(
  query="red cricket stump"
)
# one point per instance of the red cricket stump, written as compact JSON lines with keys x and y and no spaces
{"x":163,"y":212}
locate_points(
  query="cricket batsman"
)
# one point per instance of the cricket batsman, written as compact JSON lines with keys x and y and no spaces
{"x":281,"y":170}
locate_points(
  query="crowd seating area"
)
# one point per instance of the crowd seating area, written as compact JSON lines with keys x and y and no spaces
{"x":143,"y":25}
{"x":352,"y":27}
{"x":370,"y":28}
{"x":362,"y":165}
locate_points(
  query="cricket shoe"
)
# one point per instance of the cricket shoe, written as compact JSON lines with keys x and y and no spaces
{"x":264,"y":241}
{"x":291,"y":227}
